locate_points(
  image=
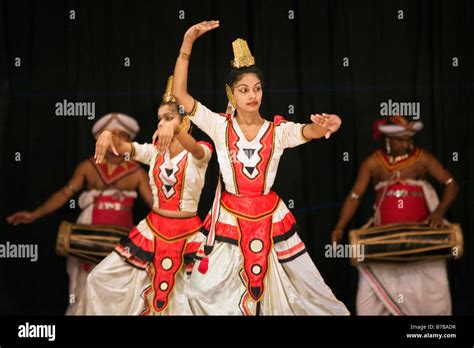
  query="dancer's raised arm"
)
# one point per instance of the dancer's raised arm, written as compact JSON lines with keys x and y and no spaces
{"x":180,"y":85}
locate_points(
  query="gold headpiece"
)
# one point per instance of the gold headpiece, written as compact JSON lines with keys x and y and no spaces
{"x":168,"y":96}
{"x":242,"y":58}
{"x":242,"y":55}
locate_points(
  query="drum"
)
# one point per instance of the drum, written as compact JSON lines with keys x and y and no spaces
{"x":89,"y":242}
{"x":406,"y":242}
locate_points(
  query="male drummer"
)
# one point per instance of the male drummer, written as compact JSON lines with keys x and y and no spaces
{"x":398,"y":174}
{"x":110,"y":191}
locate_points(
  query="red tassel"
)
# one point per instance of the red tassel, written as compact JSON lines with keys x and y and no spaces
{"x":376,"y":133}
{"x":86,"y":266}
{"x":203,"y":265}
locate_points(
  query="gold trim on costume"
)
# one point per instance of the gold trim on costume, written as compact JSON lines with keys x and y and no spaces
{"x":183,"y":180}
{"x":250,"y":217}
{"x":149,"y":293}
{"x":231,"y":159}
{"x":133,"y":152}
{"x":158,"y":234}
{"x":270,"y":158}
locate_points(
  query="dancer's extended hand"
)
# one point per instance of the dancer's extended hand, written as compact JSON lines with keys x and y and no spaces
{"x":329,"y":122}
{"x":104,"y":142}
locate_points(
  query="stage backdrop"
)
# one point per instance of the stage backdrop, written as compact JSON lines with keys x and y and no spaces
{"x":343,"y":57}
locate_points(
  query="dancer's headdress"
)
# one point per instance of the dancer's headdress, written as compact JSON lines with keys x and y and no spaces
{"x":242,"y":58}
{"x":168,"y":95}
{"x":169,"y":98}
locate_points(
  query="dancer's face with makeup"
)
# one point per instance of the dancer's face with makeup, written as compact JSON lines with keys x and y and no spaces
{"x":248,"y":93}
{"x":168,"y":116}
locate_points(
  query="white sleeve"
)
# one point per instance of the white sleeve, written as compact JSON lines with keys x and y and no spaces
{"x":290,"y":134}
{"x":143,"y":152}
{"x":208,"y":121}
{"x":207,"y":154}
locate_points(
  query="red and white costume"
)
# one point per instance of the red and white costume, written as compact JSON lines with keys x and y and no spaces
{"x":254,"y":261}
{"x":107,"y":207}
{"x":415,"y":288}
{"x":149,"y":272}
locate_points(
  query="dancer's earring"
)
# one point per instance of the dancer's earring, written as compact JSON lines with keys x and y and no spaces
{"x":230,"y":96}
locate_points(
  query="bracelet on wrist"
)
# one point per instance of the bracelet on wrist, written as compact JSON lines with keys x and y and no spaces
{"x":184,"y":55}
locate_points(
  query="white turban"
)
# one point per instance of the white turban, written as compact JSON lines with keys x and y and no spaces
{"x":114,"y":121}
{"x":400,"y":127}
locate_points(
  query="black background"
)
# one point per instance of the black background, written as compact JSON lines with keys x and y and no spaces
{"x":302,"y":60}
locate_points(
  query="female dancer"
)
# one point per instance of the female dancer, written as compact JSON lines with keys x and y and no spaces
{"x":150,"y":270}
{"x":253,"y":261}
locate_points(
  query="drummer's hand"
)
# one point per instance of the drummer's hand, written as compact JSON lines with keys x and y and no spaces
{"x":104,"y":142}
{"x":337,"y":235}
{"x":435,"y":220}
{"x":22,"y":217}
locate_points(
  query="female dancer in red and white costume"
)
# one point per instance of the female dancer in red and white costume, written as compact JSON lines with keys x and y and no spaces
{"x":253,"y":261}
{"x":149,"y":272}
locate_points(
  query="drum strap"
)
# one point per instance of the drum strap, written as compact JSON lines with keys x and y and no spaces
{"x":383,"y":295}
